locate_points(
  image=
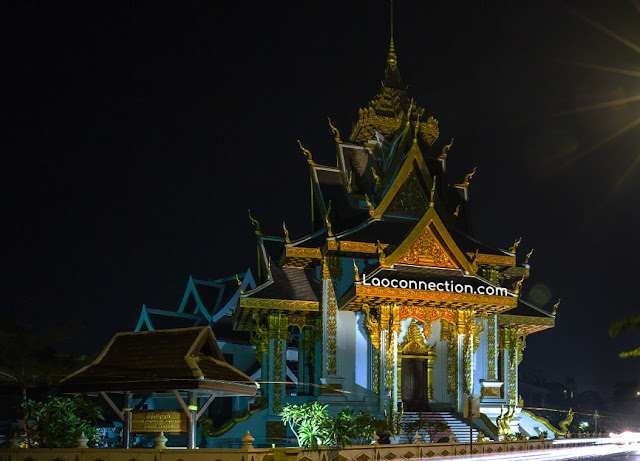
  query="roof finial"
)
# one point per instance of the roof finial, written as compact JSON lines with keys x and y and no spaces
{"x":287,"y":239}
{"x":446,"y":149}
{"x":336,"y":133}
{"x":392,"y":60}
{"x":417,"y":128}
{"x":256,"y":224}
{"x":328,"y":222}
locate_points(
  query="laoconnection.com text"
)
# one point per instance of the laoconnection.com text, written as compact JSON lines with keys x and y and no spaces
{"x":448,"y":285}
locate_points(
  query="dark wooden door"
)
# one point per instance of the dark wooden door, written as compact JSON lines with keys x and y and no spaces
{"x":414,"y":384}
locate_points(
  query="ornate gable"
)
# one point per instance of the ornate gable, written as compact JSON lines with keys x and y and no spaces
{"x":411,"y":199}
{"x":427,"y":250}
{"x":430,"y":244}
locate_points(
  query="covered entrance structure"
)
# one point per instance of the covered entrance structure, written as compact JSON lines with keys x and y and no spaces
{"x":183,"y":365}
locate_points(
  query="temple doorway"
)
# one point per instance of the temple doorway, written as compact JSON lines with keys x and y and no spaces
{"x":414,"y":384}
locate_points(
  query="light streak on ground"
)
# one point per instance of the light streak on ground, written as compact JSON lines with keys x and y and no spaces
{"x":559,"y":454}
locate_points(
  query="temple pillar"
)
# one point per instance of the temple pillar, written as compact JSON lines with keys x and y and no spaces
{"x":492,"y":349}
{"x":431,"y":357}
{"x":331,"y":272}
{"x":513,"y":344}
{"x":278,"y":326}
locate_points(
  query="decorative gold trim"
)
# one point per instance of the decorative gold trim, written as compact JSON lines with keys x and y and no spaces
{"x":414,"y":342}
{"x":498,"y":260}
{"x":300,"y":252}
{"x":525,"y":322}
{"x":347,"y":246}
{"x":279,"y":304}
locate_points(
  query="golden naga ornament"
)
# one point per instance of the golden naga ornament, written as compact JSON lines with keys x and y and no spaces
{"x":375,"y":176}
{"x":555,"y":308}
{"x":335,"y":131}
{"x":446,"y":149}
{"x":349,"y":182}
{"x":382,"y":258}
{"x":326,"y":220}
{"x":518,"y":286}
{"x":372,"y":210}
{"x":239,"y":284}
{"x":357,"y":273}
{"x":465,"y":183}
{"x":409,"y":114}
{"x":417,"y":128}
{"x":287,"y":239}
{"x":256,"y":224}
{"x":514,"y":247}
{"x":526,"y":258}
{"x":457,"y":212}
{"x":307,"y":152}
{"x":474,"y":261}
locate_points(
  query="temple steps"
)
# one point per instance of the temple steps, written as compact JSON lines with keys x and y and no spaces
{"x":459,"y":428}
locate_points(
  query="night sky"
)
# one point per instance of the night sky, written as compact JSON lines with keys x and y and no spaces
{"x":137,"y":136}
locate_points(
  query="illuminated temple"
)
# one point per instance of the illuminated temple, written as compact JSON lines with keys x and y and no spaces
{"x":389,"y":300}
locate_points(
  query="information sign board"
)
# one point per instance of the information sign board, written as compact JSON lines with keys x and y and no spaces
{"x":154,"y":421}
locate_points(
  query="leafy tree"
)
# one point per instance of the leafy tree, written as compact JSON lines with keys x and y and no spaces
{"x":59,"y":421}
{"x":28,"y":360}
{"x":312,"y":425}
{"x":629,"y":324}
{"x":339,"y":430}
{"x":308,"y":422}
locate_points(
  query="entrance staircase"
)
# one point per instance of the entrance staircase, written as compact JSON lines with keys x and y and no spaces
{"x":460,"y":429}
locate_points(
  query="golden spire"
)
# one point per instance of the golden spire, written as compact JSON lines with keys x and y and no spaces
{"x":256,"y":224}
{"x":392,"y":59}
{"x":514,"y":247}
{"x":349,"y":188}
{"x":375,"y":176}
{"x":526,"y":258}
{"x":286,"y":233}
{"x":306,"y":152}
{"x":326,"y":219}
{"x":455,"y":213}
{"x":370,"y":205}
{"x":465,"y":183}
{"x":446,"y":149}
{"x":433,"y":192}
{"x":555,"y":307}
{"x":355,"y":268}
{"x":336,"y":133}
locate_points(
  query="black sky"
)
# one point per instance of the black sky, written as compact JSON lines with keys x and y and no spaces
{"x":138,"y":134}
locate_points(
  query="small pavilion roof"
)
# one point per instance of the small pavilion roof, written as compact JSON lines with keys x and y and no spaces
{"x":159,"y":361}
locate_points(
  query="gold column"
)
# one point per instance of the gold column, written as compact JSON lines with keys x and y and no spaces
{"x":278,"y":330}
{"x":491,"y":348}
{"x":431,"y":357}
